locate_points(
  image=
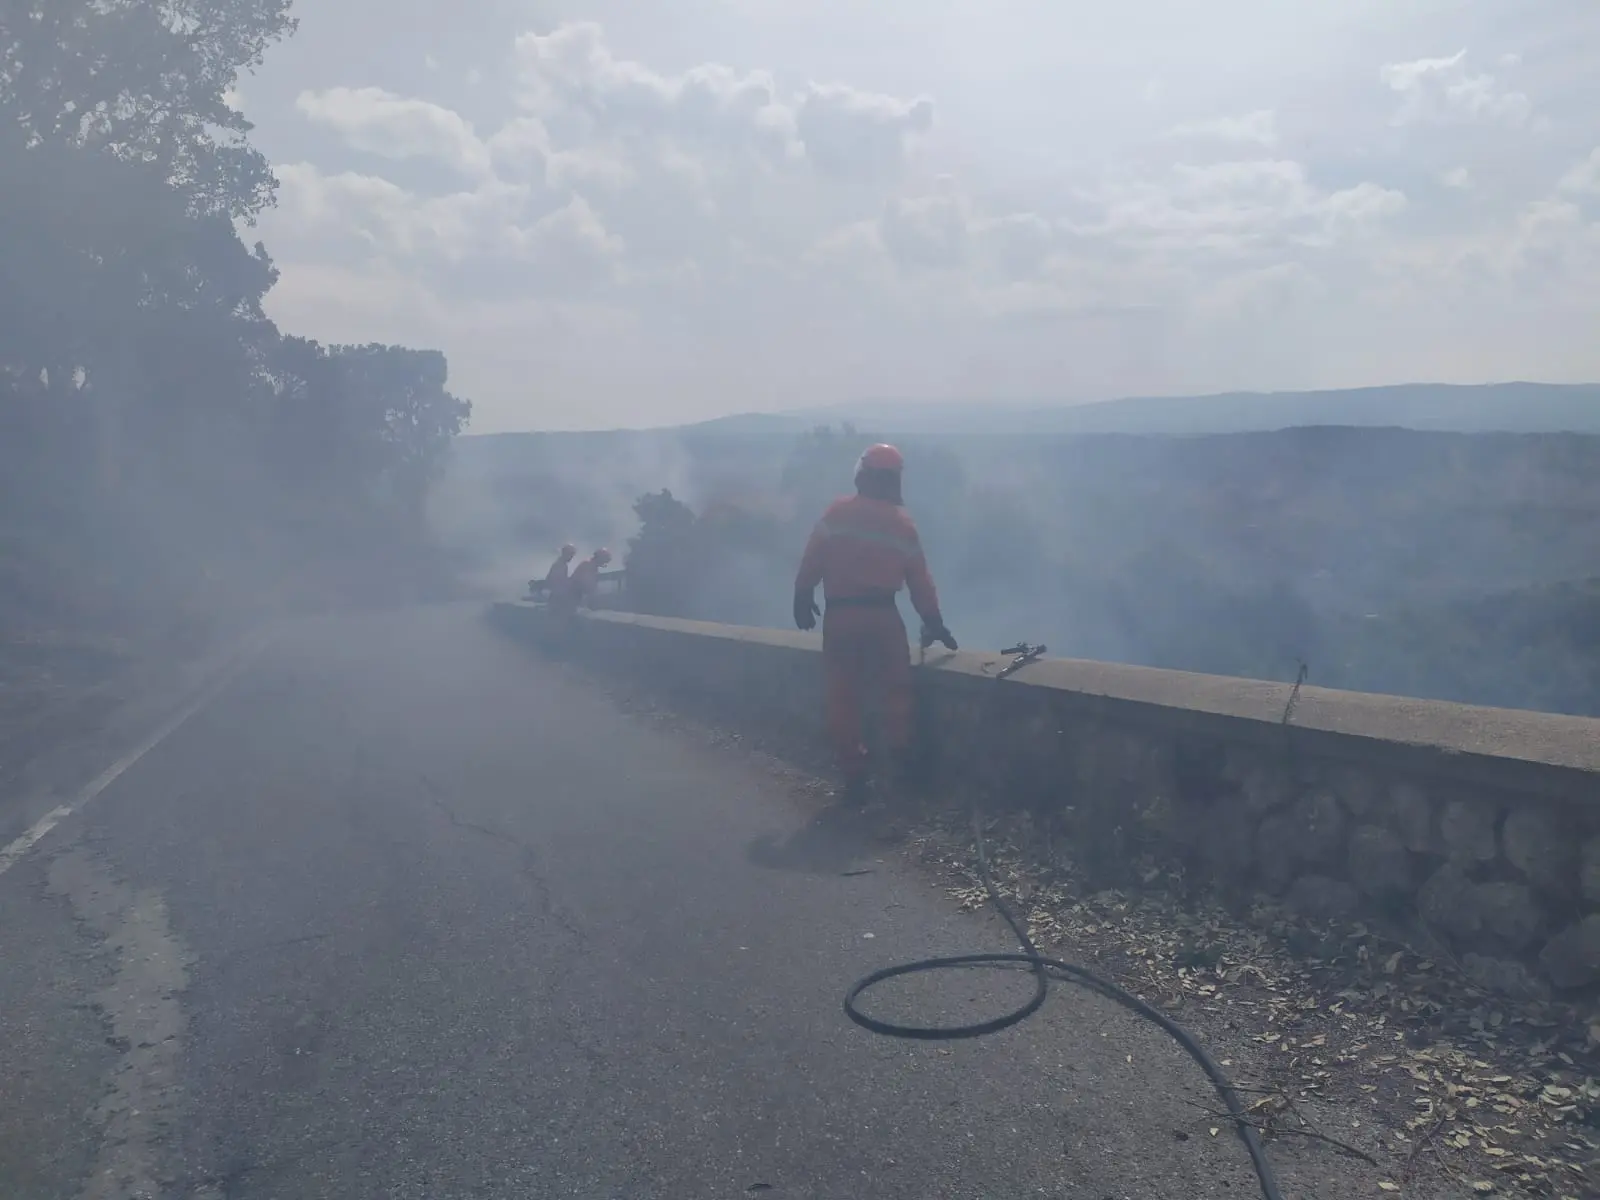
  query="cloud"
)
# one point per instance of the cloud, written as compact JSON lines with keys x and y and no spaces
{"x":1260,"y":127}
{"x":1018,"y":243}
{"x":858,"y":134}
{"x":520,"y":149}
{"x":571,"y":76}
{"x":926,"y":231}
{"x":1236,"y":208}
{"x":1440,"y":91}
{"x":725,"y":229}
{"x":571,"y":243}
{"x":942,"y":229}
{"x":1584,"y":178}
{"x":498,"y":225}
{"x":379,"y":122}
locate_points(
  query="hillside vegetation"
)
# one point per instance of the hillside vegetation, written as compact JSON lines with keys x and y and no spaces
{"x":1447,"y":565}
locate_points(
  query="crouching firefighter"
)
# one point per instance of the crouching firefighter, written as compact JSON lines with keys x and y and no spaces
{"x":862,"y":551}
{"x":556,"y":578}
{"x":585,"y":582}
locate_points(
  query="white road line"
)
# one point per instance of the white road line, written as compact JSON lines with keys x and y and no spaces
{"x":12,"y":854}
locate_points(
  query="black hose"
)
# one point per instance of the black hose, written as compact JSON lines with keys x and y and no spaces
{"x":1072,"y":973}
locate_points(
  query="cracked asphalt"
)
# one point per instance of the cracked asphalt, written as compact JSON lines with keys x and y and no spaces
{"x":407,"y":913}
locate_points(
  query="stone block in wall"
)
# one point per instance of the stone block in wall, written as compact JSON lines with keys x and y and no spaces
{"x":1506,"y":976}
{"x":1467,"y":828}
{"x":1510,"y":912}
{"x":1120,"y":756}
{"x":1224,"y":839}
{"x":1446,"y":902}
{"x":1312,"y":833}
{"x":1589,"y":870}
{"x":1322,"y":898}
{"x":1506,"y":913}
{"x":1380,"y":864}
{"x":1266,"y":788}
{"x":1358,"y":791}
{"x":1547,"y":855}
{"x":1317,"y":826}
{"x":1413,"y":813}
{"x":1276,"y":864}
{"x":1571,"y":959}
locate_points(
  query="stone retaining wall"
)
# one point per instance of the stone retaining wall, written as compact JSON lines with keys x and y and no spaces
{"x":1483,"y":824}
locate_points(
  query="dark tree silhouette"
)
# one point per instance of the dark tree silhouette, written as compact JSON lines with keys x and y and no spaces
{"x":153,"y":420}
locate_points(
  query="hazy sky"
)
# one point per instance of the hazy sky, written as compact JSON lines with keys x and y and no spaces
{"x":616,"y":212}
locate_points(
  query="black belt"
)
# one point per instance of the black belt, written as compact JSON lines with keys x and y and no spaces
{"x":870,"y":600}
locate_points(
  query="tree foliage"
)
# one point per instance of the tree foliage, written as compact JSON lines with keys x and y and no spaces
{"x":145,"y":81}
{"x":716,"y":565}
{"x":663,"y":558}
{"x":145,"y":397}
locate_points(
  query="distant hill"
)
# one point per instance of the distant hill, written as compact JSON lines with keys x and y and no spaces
{"x":1481,"y":408}
{"x":1535,"y":647}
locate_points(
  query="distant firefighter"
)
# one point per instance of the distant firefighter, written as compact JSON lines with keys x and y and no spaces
{"x":862,"y":551}
{"x":555,"y":578}
{"x":586,"y":578}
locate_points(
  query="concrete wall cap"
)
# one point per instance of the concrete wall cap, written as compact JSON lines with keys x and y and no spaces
{"x":1547,"y":739}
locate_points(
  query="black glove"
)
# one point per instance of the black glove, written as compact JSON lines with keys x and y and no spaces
{"x":938,"y":633}
{"x":806,"y":611}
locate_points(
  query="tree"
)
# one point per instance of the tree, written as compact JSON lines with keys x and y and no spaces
{"x":403,"y":414}
{"x":145,"y":81}
{"x":663,"y":558}
{"x":363,"y":428}
{"x":122,"y":315}
{"x":151,"y":415}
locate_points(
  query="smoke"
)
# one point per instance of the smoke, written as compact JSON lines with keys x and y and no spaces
{"x":508,"y":502}
{"x":1239,"y":554}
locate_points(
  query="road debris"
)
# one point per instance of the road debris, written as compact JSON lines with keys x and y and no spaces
{"x":1492,"y":1091}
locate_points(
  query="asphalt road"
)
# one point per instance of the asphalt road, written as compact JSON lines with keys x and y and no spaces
{"x":403,"y":912}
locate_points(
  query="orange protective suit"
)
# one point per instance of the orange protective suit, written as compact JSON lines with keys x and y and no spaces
{"x":585,"y":581}
{"x":555,"y":578}
{"x":581,"y":587}
{"x":862,"y":551}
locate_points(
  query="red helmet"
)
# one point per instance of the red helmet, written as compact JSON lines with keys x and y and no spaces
{"x":568,"y":550}
{"x":881,"y":457}
{"x":602,"y":556}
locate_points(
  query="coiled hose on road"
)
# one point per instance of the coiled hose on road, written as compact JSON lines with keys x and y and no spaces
{"x":1044,"y":970}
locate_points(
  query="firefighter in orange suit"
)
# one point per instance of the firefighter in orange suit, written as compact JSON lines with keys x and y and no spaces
{"x":585,"y":579}
{"x":861,"y":552}
{"x":555,"y":579}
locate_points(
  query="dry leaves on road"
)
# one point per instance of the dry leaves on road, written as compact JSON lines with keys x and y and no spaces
{"x":1501,"y":1095}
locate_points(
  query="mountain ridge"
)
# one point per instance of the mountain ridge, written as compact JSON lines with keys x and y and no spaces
{"x":1514,"y":407}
